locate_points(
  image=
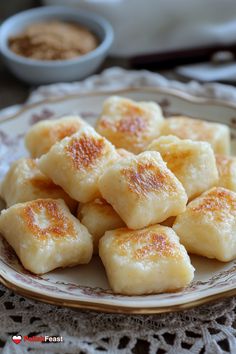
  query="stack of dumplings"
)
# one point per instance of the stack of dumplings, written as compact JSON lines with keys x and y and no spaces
{"x":139,"y":190}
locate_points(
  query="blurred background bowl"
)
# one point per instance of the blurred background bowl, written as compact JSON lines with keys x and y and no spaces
{"x":50,"y":71}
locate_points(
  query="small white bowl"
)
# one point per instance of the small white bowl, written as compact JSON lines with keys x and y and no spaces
{"x":50,"y":71}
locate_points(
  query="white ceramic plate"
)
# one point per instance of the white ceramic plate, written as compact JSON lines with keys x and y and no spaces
{"x":86,"y":286}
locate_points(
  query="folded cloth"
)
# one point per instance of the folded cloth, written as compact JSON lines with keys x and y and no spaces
{"x":116,"y":78}
{"x":152,"y":26}
{"x":209,"y":72}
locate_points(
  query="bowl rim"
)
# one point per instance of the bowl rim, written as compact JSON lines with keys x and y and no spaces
{"x":56,"y":10}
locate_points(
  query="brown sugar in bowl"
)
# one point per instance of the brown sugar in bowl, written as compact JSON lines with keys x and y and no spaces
{"x":43,"y":71}
{"x":53,"y":40}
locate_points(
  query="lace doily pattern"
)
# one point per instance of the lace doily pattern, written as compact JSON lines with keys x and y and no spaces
{"x":207,"y":329}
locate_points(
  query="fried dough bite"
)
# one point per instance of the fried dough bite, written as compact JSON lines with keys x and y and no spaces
{"x":45,"y":235}
{"x":192,"y":162}
{"x":24,"y":182}
{"x":128,"y":124}
{"x":98,"y":216}
{"x":208,"y":226}
{"x":145,"y":261}
{"x":77,"y":162}
{"x":43,"y":135}
{"x":142,"y":190}
{"x":218,"y":135}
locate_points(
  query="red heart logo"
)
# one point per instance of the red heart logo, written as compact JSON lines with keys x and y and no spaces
{"x":16,"y":339}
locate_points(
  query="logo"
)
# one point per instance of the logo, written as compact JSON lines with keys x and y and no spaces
{"x":42,"y":339}
{"x":16,"y":339}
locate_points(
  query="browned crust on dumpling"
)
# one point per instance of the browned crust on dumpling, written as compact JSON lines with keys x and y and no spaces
{"x":147,"y":177}
{"x":133,"y":121}
{"x":186,"y":126}
{"x":85,"y":150}
{"x":219,"y":202}
{"x":145,"y":244}
{"x":59,"y":225}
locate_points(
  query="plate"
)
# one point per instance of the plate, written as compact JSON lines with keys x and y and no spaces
{"x":86,"y":286}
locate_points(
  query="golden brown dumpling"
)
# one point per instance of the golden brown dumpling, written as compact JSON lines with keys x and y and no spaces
{"x":45,"y":235}
{"x":128,"y":124}
{"x":145,"y":261}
